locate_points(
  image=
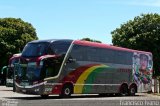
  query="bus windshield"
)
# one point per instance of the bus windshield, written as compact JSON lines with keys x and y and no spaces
{"x":34,"y":49}
{"x":30,"y":72}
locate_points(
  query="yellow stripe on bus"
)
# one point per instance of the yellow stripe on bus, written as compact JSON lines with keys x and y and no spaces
{"x":78,"y":88}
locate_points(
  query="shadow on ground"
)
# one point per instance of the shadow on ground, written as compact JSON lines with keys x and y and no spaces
{"x":72,"y":97}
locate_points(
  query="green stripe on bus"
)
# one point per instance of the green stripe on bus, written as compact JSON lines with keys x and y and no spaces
{"x":91,"y":78}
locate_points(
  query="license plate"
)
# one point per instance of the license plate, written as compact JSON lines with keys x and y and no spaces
{"x":24,"y":91}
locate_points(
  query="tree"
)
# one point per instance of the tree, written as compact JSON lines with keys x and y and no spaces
{"x":14,"y":34}
{"x":142,"y":33}
{"x":91,"y":40}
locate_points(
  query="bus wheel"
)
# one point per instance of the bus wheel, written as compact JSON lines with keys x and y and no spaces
{"x":66,"y":92}
{"x":44,"y":96}
{"x":124,"y":90}
{"x":132,"y":90}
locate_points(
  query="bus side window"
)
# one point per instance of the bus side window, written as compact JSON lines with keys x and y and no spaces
{"x":52,"y":67}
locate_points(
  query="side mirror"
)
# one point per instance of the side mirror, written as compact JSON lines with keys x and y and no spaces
{"x":4,"y":68}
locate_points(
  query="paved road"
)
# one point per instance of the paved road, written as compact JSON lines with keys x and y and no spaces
{"x":9,"y":98}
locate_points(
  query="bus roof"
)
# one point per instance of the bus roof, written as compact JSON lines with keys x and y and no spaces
{"x":88,"y":43}
{"x":49,"y":40}
{"x":100,"y":45}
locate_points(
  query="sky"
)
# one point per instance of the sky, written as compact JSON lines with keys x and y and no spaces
{"x":77,"y":19}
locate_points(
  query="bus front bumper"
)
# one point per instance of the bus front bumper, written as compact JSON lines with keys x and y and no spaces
{"x":33,"y":90}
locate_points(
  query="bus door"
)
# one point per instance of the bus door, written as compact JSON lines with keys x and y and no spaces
{"x":51,"y":67}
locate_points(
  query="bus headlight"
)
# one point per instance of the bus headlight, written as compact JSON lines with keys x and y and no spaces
{"x":36,"y":90}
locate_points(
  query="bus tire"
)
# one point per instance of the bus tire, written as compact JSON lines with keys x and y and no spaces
{"x":132,"y":90}
{"x":67,"y":90}
{"x":124,"y":90}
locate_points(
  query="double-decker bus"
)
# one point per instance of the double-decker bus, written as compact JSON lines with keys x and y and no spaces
{"x":66,"y":67}
{"x":8,"y":71}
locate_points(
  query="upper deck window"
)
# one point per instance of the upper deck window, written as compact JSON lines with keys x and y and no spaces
{"x":35,"y":49}
{"x":59,"y":47}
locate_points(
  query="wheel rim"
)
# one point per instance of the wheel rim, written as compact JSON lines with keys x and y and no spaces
{"x":67,"y":91}
{"x":132,"y":90}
